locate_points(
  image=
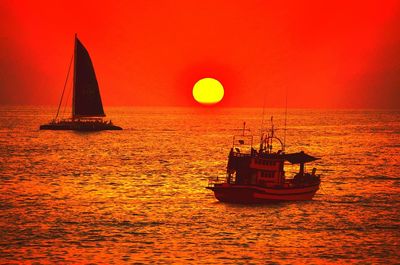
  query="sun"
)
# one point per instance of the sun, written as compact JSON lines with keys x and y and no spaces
{"x":208,"y":91}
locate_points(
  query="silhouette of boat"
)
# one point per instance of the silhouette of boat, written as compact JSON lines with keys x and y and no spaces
{"x":259,"y":177}
{"x":87,"y":108}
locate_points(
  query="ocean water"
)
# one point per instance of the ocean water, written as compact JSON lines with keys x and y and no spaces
{"x":138,"y":195}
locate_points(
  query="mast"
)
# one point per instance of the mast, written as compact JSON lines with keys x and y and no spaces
{"x":74,"y":81}
{"x":284,"y":135}
{"x":262,"y":126}
{"x":272,"y":135}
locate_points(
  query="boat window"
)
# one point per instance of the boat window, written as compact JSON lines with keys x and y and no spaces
{"x":267,"y":174}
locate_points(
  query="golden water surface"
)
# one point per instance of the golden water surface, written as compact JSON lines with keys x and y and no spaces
{"x":138,"y":196}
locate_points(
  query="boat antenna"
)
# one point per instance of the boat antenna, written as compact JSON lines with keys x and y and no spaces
{"x":284,"y":131}
{"x":272,"y":134}
{"x":263,"y":114}
{"x":65,"y":84}
{"x":262,"y":125}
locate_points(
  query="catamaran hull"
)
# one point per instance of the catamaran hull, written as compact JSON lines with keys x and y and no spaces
{"x":82,"y":126}
{"x":251,"y":194}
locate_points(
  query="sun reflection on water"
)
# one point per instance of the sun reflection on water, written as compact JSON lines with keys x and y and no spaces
{"x":138,"y":195}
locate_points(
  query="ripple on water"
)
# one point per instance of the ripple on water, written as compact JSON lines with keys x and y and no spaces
{"x":138,"y":195}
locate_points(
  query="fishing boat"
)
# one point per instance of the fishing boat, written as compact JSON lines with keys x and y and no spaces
{"x":259,"y":176}
{"x":87,"y":108}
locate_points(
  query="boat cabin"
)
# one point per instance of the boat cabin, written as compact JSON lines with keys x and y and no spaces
{"x":258,"y":176}
{"x":264,"y":167}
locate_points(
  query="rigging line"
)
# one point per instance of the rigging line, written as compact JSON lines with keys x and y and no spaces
{"x":66,"y":101}
{"x":65,"y":84}
{"x":284,"y":135}
{"x":262,"y":120}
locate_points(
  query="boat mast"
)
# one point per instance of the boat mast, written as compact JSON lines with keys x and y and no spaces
{"x":65,"y":85}
{"x":73,"y":86}
{"x":262,"y":126}
{"x":271,"y":136}
{"x":284,"y":135}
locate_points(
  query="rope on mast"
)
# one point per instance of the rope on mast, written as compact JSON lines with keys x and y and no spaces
{"x":65,"y":84}
{"x":66,"y":101}
{"x":284,"y":135}
{"x":262,"y":126}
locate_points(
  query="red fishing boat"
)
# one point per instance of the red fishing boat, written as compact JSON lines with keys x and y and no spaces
{"x":258,"y":176}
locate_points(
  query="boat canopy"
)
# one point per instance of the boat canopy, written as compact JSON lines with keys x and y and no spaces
{"x":299,"y":158}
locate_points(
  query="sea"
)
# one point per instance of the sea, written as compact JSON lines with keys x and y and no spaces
{"x":138,"y":196}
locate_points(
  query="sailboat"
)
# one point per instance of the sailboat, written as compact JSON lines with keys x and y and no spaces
{"x":87,"y":108}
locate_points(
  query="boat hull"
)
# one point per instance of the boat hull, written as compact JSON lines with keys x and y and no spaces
{"x":80,"y":126}
{"x":246,"y":194}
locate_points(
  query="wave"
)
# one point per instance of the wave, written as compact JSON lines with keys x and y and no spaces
{"x":382,"y":177}
{"x":345,"y":179}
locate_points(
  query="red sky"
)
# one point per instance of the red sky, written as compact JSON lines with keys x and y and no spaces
{"x":327,"y":54}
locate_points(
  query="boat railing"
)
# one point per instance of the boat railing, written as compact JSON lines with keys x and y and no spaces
{"x":216,"y":180}
{"x":238,"y":154}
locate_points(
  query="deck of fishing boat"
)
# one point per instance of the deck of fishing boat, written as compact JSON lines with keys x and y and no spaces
{"x":253,"y":162}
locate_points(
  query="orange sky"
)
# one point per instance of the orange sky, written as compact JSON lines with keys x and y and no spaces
{"x":327,"y":54}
